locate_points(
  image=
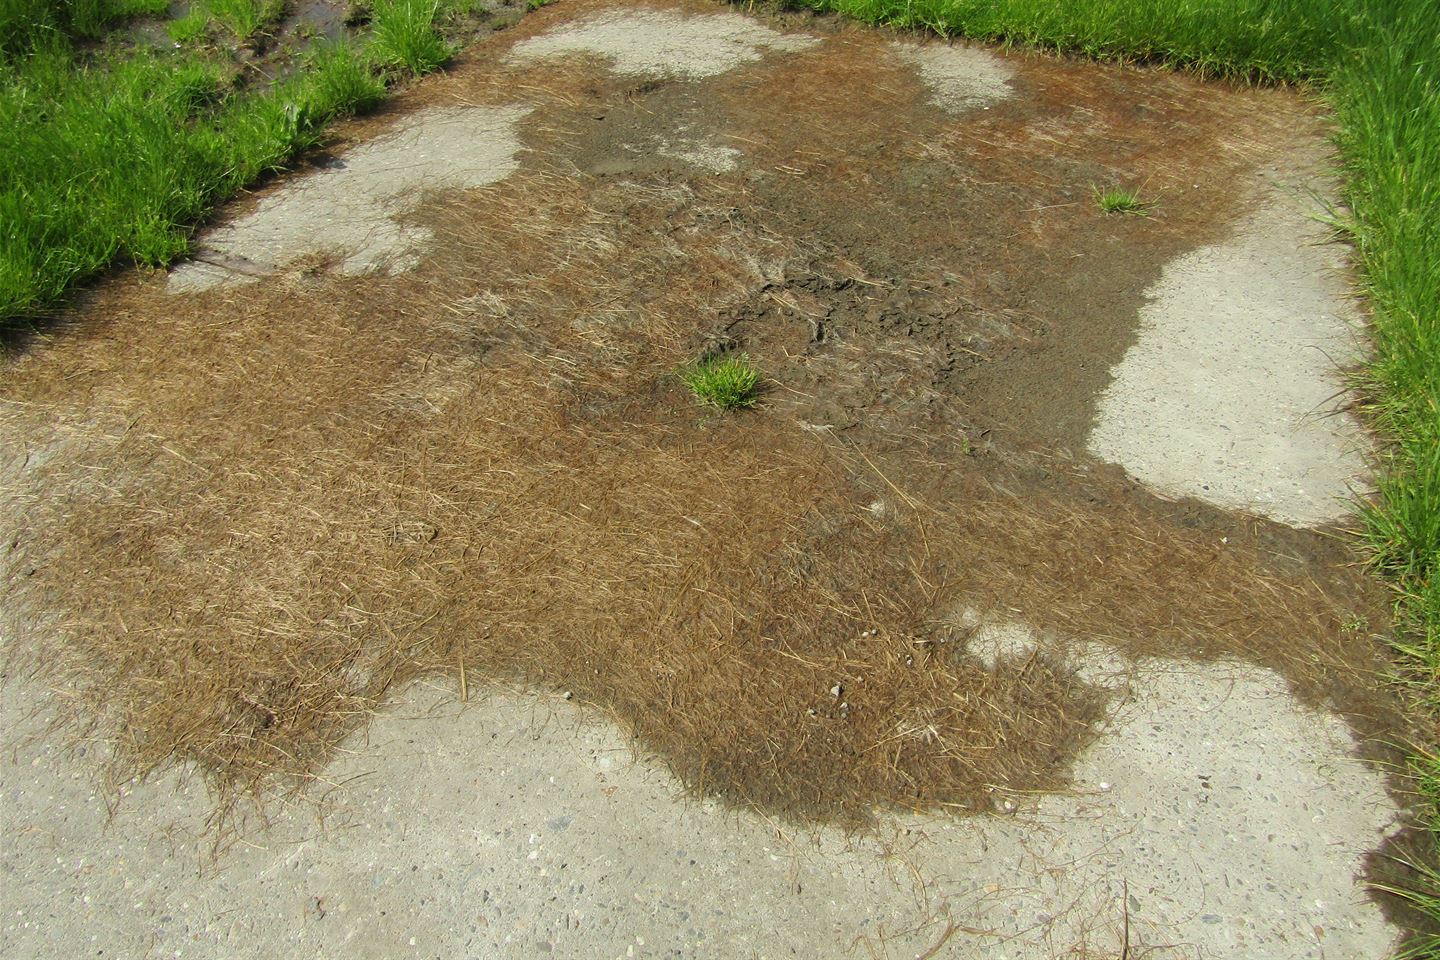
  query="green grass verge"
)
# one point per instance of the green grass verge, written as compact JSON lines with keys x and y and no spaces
{"x":112,"y":153}
{"x":115,"y":160}
{"x":24,"y":23}
{"x":1281,"y":40}
{"x":1387,"y":98}
{"x":1378,"y":62}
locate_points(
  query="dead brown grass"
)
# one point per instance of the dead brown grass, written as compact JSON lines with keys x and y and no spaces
{"x":707,"y":589}
{"x":243,"y":519}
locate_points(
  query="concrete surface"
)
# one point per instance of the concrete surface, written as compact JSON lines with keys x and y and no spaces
{"x":1233,"y":391}
{"x":959,"y":77}
{"x":352,"y":209}
{"x":1225,"y":820}
{"x":662,"y":43}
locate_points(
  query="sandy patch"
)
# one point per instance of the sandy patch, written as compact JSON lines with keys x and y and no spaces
{"x":1233,"y":392}
{"x":664,"y":43}
{"x":353,"y":209}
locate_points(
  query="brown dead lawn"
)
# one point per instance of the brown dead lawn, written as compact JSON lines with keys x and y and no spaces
{"x":246,"y":517}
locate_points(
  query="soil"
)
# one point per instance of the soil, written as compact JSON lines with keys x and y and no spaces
{"x":249,"y":515}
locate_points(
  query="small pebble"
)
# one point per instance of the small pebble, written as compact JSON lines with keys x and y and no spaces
{"x":836,"y":690}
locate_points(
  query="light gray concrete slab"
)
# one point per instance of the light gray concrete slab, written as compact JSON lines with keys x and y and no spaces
{"x":1215,"y":817}
{"x":352,"y":209}
{"x":1233,"y":392}
{"x":665,"y":43}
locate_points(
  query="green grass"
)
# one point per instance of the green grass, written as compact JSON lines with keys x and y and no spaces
{"x":1378,"y":64}
{"x":403,"y":34}
{"x":1422,"y":893}
{"x":1387,"y":98}
{"x":25,"y":24}
{"x":114,"y":158}
{"x":245,"y":18}
{"x":1120,"y":200}
{"x":1261,"y":39}
{"x":342,"y":80}
{"x":729,"y":383}
{"x":191,"y":26}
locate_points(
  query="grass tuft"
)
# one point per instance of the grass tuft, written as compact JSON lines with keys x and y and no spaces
{"x":190,"y":27}
{"x":341,"y":81}
{"x":245,"y":18}
{"x":729,"y":382}
{"x":1121,"y":200}
{"x":403,"y":34}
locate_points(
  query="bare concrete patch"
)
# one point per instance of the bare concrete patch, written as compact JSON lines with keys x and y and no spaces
{"x":665,"y":43}
{"x":1229,"y":820}
{"x":353,"y":209}
{"x":1233,"y":392}
{"x":993,"y":642}
{"x":959,"y":77}
{"x":1216,"y":818}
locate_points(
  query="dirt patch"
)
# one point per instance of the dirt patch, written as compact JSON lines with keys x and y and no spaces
{"x":278,"y":502}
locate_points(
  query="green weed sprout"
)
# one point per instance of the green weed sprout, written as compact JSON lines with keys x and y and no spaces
{"x":728,"y":382}
{"x":1121,"y":200}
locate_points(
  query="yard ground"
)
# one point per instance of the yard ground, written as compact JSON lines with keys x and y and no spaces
{"x":1011,"y":622}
